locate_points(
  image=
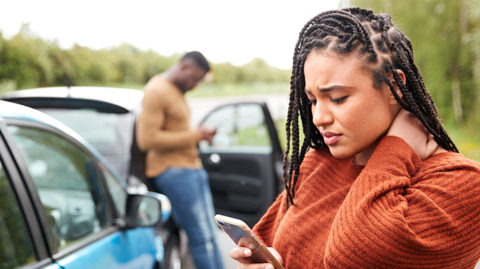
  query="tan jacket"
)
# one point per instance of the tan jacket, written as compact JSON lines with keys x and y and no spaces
{"x":163,"y":128}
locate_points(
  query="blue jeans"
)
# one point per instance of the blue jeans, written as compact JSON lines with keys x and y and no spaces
{"x":192,"y":208}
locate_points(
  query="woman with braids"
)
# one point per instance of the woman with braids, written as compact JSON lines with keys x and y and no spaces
{"x":376,"y":182}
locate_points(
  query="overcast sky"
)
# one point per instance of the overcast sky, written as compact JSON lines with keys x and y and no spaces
{"x":224,"y":30}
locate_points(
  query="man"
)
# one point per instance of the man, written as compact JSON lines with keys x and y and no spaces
{"x":172,"y":161}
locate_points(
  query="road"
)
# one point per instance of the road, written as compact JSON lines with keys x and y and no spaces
{"x":277,"y":104}
{"x":225,"y":245}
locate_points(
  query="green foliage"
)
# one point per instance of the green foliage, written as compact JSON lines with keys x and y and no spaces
{"x":236,"y":89}
{"x":467,"y":140}
{"x":27,"y":61}
{"x":24,"y":59}
{"x":444,"y":35}
{"x":473,"y":41}
{"x":258,"y":70}
{"x":255,"y":71}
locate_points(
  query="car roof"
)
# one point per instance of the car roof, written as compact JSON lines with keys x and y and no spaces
{"x":120,"y":99}
{"x":13,"y":111}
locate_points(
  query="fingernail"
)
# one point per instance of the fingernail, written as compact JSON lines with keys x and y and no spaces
{"x":248,"y":252}
{"x":269,"y":266}
{"x":251,"y":246}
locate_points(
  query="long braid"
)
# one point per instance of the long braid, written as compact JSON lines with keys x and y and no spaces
{"x":416,"y":98}
{"x":386,"y":49}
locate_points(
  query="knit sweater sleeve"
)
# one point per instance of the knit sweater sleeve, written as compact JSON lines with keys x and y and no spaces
{"x":150,"y":131}
{"x":397,"y":217}
{"x":268,"y":224}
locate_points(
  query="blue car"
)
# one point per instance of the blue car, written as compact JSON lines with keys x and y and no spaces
{"x":63,"y":206}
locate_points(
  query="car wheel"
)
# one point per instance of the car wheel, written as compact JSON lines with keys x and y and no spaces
{"x":173,"y":257}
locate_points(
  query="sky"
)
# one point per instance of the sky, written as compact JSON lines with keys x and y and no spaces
{"x":223,"y":30}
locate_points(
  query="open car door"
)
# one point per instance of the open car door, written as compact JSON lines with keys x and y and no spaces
{"x":243,"y":161}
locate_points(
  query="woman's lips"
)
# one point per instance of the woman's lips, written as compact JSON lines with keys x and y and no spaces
{"x":331,"y":138}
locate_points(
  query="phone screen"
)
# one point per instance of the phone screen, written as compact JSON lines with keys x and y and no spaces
{"x":239,"y":232}
{"x":234,"y":231}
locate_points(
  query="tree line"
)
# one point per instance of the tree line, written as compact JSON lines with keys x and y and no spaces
{"x":28,"y":61}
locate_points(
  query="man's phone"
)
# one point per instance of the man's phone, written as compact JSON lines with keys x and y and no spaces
{"x":239,"y":231}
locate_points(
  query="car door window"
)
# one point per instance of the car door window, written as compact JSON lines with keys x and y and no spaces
{"x":67,"y":183}
{"x":117,"y":191}
{"x":15,"y":246}
{"x":240,"y":127}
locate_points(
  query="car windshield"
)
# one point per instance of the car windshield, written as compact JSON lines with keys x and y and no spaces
{"x":110,"y":133}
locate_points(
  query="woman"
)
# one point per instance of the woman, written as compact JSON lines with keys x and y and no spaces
{"x":377,"y":181}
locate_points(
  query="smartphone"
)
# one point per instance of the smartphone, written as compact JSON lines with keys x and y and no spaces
{"x":238,"y":231}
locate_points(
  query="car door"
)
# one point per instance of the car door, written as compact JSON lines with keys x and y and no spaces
{"x":21,"y":242}
{"x":78,"y":216}
{"x":243,"y":161}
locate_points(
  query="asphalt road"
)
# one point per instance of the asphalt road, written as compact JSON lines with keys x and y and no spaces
{"x":225,"y":244}
{"x":277,"y":104}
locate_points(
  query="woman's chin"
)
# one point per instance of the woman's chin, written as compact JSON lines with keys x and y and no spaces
{"x":339,"y":153}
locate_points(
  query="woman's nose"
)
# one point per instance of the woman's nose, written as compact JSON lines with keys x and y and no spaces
{"x":321,"y":115}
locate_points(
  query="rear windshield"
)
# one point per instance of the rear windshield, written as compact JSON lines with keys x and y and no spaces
{"x":109,"y":133}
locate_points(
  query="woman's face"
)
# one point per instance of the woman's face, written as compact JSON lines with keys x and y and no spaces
{"x":348,"y":111}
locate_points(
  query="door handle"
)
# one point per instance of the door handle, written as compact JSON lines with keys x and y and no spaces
{"x":214,"y":159}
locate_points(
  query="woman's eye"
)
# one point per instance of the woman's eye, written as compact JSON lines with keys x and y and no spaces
{"x":339,"y":100}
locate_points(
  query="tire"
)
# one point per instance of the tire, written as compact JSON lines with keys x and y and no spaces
{"x":173,"y":257}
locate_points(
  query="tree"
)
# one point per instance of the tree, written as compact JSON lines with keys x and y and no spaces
{"x":28,"y":61}
{"x":438,"y":31}
{"x":25,"y":60}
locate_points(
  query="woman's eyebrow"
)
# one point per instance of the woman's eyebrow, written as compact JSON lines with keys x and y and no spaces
{"x":327,"y":89}
{"x":331,"y":88}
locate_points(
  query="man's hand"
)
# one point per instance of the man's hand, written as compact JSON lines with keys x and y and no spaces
{"x":411,"y":130}
{"x":207,"y":133}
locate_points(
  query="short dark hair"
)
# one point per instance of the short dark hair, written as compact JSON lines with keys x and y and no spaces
{"x":198,"y":58}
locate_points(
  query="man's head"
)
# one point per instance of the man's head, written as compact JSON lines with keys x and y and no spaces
{"x":191,"y":69}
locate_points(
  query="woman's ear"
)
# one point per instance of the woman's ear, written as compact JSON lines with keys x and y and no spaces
{"x":394,"y":82}
{"x":401,"y":74}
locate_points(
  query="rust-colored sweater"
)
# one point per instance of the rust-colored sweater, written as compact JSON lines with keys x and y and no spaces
{"x":396,"y":212}
{"x":163,"y":128}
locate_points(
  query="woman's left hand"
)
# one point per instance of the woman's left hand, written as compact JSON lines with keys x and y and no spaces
{"x":411,"y":130}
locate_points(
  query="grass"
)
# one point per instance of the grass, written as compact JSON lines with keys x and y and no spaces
{"x":467,"y":140}
{"x":234,"y":89}
{"x":226,"y":89}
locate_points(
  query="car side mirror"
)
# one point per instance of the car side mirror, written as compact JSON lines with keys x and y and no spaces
{"x":147,"y":209}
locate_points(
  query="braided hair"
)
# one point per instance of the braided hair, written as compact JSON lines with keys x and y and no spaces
{"x":385,"y":50}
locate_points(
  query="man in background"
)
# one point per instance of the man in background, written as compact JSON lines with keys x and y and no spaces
{"x":172,"y":161}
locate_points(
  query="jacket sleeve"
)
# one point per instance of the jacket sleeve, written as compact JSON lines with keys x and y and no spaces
{"x":397,"y":217}
{"x":150,"y":134}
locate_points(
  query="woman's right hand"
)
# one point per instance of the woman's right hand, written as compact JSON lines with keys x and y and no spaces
{"x":411,"y":130}
{"x":243,"y":255}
